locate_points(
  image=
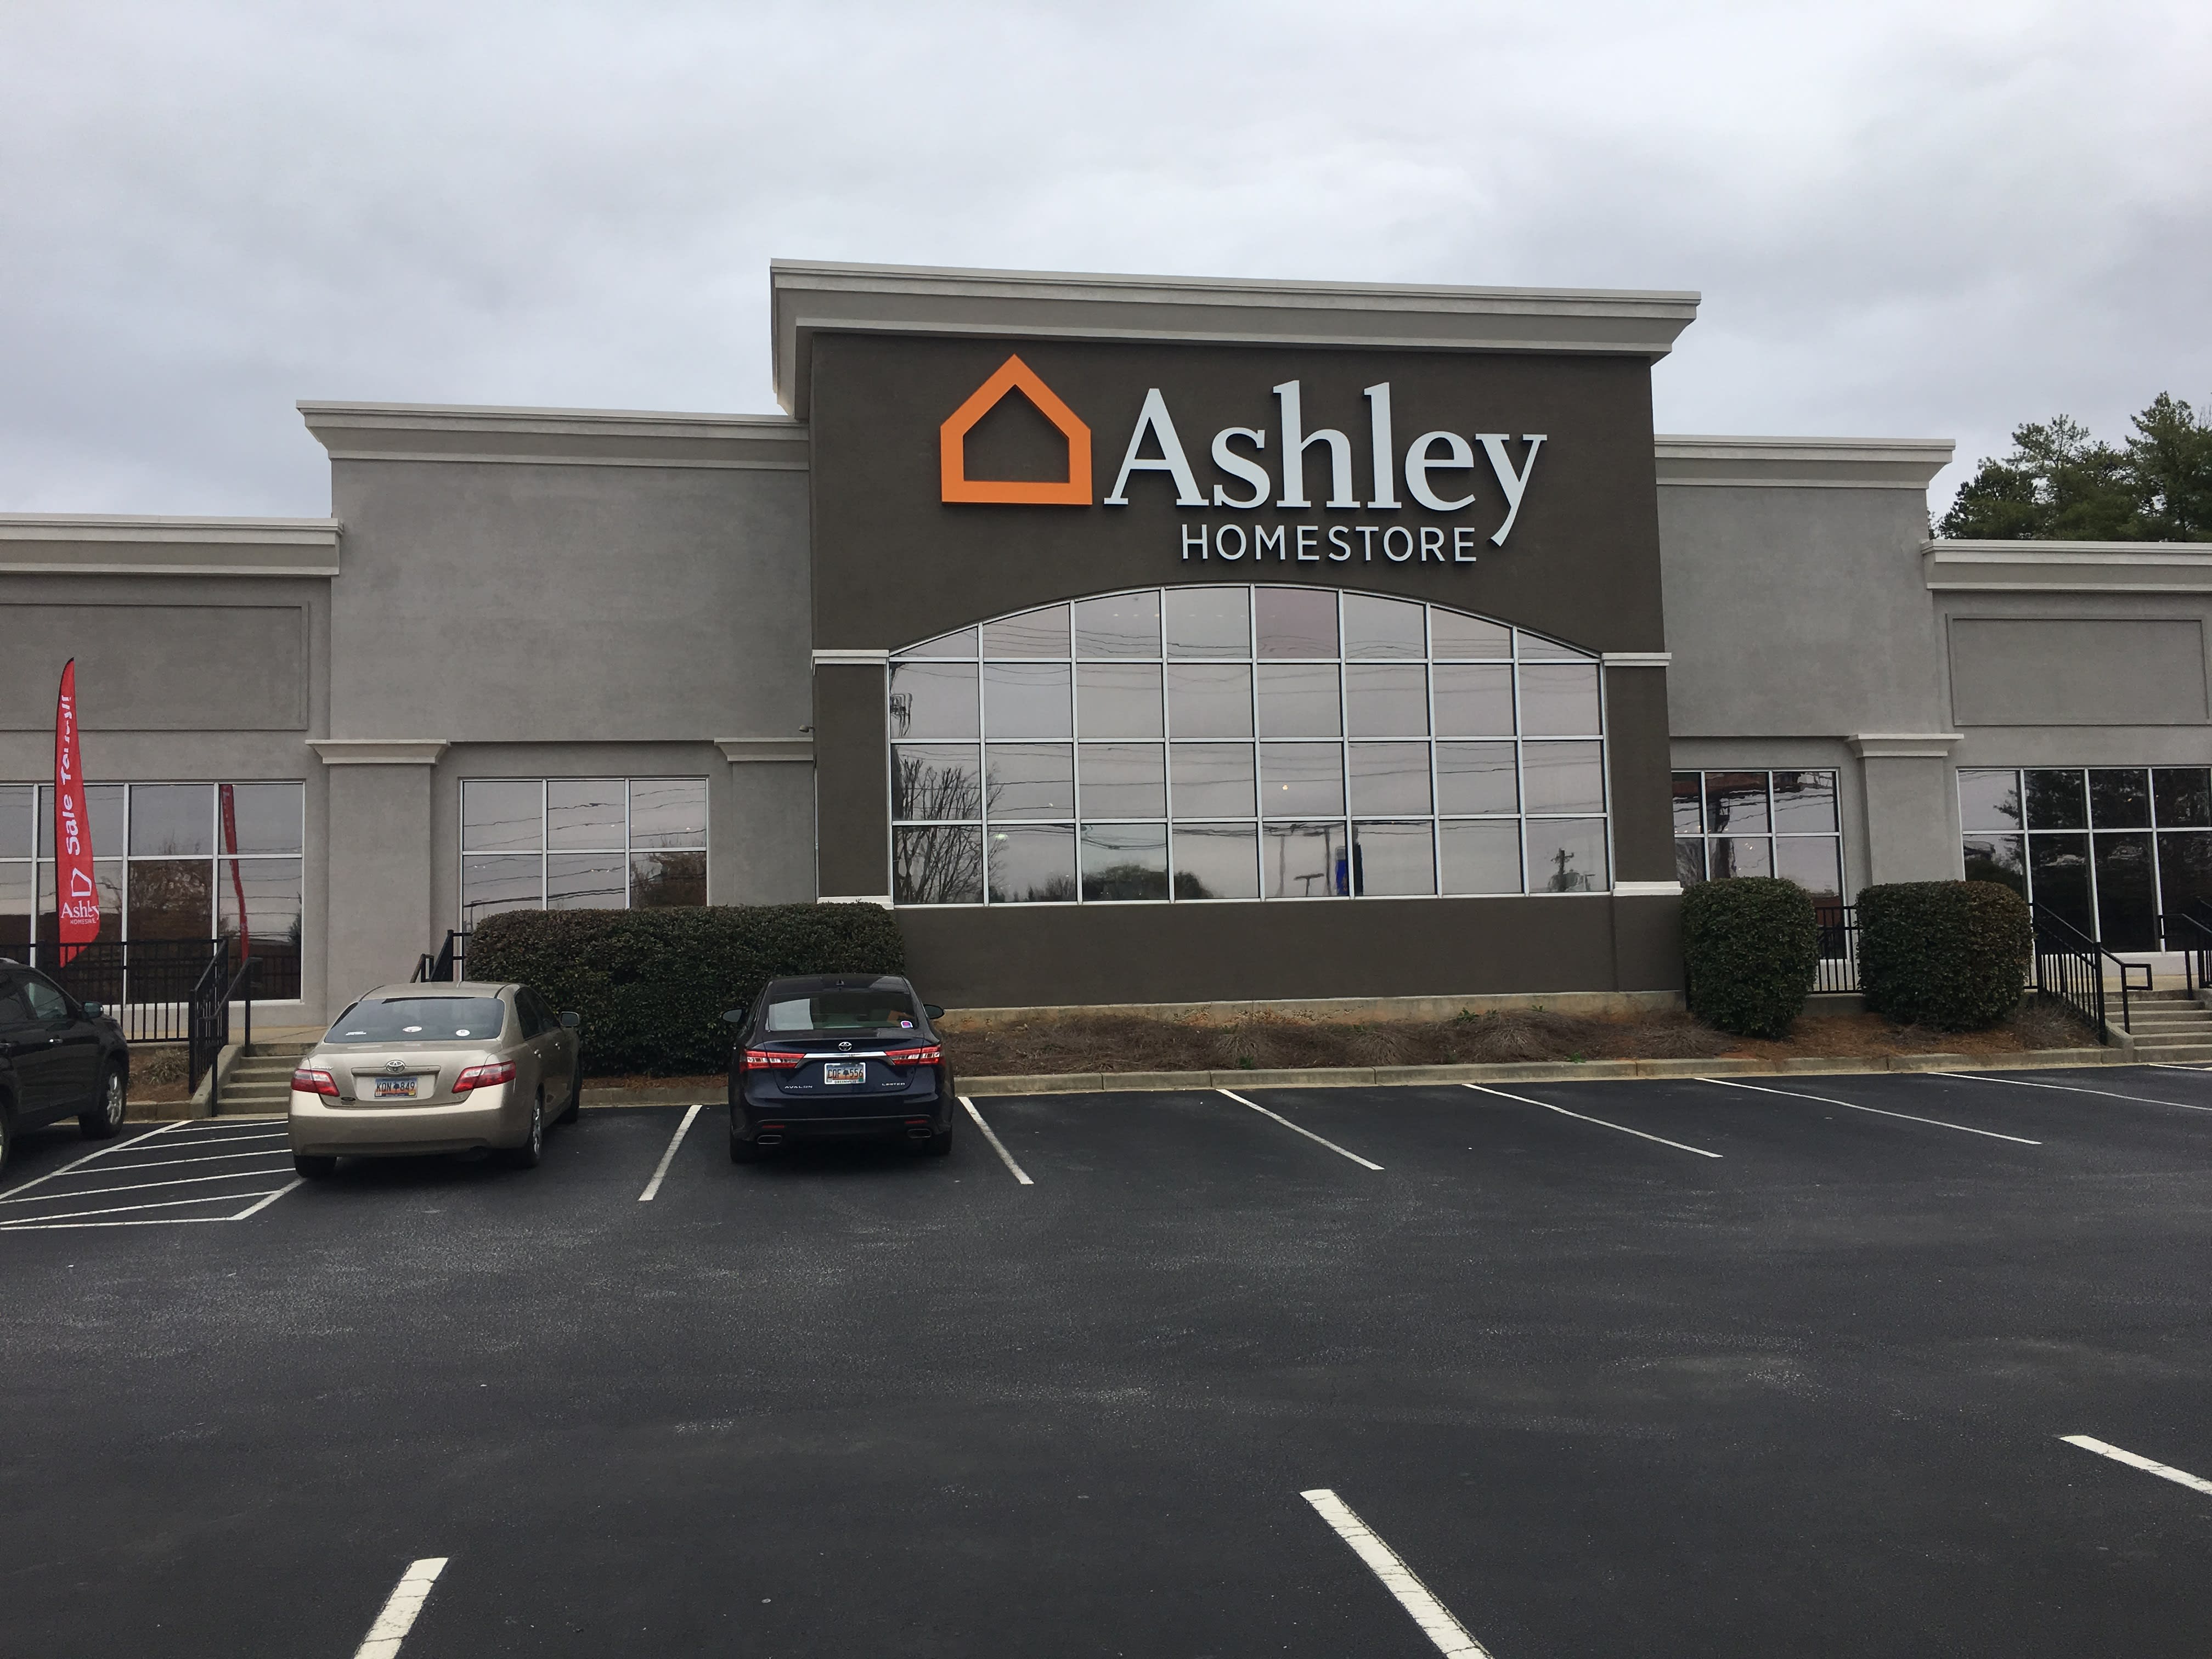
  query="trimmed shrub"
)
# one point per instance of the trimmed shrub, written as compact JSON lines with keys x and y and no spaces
{"x":652,"y":985}
{"x":1949,"y":955}
{"x":1751,"y":948}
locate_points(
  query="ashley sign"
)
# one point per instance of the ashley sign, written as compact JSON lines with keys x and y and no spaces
{"x":1439,"y":470}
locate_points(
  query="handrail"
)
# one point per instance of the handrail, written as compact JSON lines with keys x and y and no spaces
{"x":445,"y":964}
{"x":2196,"y":948}
{"x":2070,"y":966}
{"x":208,"y":1029}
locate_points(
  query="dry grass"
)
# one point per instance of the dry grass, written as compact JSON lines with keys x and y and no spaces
{"x":1133,"y":1042}
{"x":1138,"y":1043}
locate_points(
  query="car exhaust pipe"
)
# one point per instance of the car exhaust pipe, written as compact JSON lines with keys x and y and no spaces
{"x":768,"y":1140}
{"x":918,"y":1132}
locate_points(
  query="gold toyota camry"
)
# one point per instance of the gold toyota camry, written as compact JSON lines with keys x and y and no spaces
{"x":410,"y":1069}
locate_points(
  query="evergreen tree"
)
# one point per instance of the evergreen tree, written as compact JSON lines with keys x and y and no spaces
{"x":2061,"y":483}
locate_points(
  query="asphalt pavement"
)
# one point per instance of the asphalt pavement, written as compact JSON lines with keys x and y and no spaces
{"x":1597,"y":1369}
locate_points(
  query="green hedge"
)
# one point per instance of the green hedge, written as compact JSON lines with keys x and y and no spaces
{"x":1949,"y":955}
{"x":652,"y":985}
{"x":1751,"y":948}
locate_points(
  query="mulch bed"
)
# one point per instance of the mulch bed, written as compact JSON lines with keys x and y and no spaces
{"x":1137,"y":1042}
{"x":1133,"y":1042}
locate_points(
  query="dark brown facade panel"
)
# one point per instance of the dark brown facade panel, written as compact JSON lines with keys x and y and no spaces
{"x":1647,"y":943}
{"x":894,"y":563}
{"x":852,"y":780}
{"x":1029,"y":956}
{"x":1638,"y":755}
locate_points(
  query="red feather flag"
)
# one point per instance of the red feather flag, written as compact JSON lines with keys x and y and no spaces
{"x":77,"y":898}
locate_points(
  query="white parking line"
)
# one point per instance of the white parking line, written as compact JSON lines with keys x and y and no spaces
{"x":660,"y":1169}
{"x":1435,"y":1619}
{"x":99,"y":1152}
{"x":139,"y":1186}
{"x":29,"y":1221}
{"x":227,"y":1140}
{"x":2071,"y":1089}
{"x":202,"y":1157}
{"x":997,"y":1145}
{"x":36,"y":1225}
{"x":1852,"y":1105}
{"x":402,"y":1606}
{"x":2176,"y":1065}
{"x":267,"y":1199}
{"x":1481,"y":1089}
{"x":1308,"y":1133}
{"x":2163,"y":1471}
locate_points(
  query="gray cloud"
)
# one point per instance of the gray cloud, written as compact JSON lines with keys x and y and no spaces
{"x":1906,"y":219}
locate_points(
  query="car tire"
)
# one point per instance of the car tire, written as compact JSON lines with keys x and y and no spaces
{"x":531,"y":1152}
{"x":743,"y":1151}
{"x":106,"y":1119}
{"x":315,"y":1166}
{"x":576,"y":1094}
{"x":7,"y":1133}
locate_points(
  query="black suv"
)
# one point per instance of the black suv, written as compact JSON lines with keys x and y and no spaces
{"x":58,"y":1058}
{"x":835,"y":1055}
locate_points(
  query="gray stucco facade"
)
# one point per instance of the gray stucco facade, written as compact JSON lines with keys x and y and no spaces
{"x":723,"y":600}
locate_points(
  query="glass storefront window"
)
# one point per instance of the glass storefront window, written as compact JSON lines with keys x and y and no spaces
{"x":622,"y":843}
{"x":1781,"y":823}
{"x":1241,"y":742}
{"x":173,"y":862}
{"x":2108,"y":849}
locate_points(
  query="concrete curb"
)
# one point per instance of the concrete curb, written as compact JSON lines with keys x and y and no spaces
{"x":1366,"y":1077}
{"x":202,"y":1103}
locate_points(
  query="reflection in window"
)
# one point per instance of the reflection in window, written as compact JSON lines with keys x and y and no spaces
{"x":1760,"y":823}
{"x":621,"y":844}
{"x":2110,"y":850}
{"x":1240,"y":742}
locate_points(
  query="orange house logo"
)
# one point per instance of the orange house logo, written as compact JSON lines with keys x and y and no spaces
{"x":1014,"y":375}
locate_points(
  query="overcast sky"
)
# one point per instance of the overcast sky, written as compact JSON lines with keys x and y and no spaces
{"x":1907,"y":219}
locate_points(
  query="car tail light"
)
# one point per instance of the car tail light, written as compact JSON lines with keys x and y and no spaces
{"x":484,"y":1077}
{"x":929,"y":1053}
{"x":315,"y":1082}
{"x":770,"y":1059}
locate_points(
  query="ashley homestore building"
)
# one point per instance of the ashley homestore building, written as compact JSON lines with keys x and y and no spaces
{"x":1140,"y":640}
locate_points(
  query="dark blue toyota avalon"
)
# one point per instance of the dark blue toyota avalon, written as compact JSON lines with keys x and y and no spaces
{"x":838,"y":1054}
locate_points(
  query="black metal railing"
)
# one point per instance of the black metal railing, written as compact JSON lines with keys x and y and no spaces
{"x":146,"y":985}
{"x":2073,"y":968}
{"x":208,"y":1032}
{"x":448,"y":963}
{"x":1839,"y":947}
{"x":2189,"y":934}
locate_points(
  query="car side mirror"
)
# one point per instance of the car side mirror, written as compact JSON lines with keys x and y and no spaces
{"x":94,"y":1010}
{"x":570,"y":1020}
{"x":933,"y":1011}
{"x":733,"y":1017}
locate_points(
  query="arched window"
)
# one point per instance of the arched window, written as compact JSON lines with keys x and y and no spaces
{"x":1243,"y":743}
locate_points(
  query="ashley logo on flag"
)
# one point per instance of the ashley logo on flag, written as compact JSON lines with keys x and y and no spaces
{"x":77,"y":910}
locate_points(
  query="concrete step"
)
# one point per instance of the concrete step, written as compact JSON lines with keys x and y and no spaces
{"x":2188,"y":1052}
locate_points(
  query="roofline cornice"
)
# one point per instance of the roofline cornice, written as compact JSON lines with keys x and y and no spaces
{"x":2038,"y":567}
{"x":116,"y":544}
{"x":812,"y":296}
{"x":555,"y":437}
{"x":1758,"y":463}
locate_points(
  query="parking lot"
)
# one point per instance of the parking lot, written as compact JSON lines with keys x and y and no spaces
{"x":1773,"y":1366}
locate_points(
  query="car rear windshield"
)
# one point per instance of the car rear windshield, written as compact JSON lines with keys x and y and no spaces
{"x":843,"y":1011}
{"x":420,"y":1019}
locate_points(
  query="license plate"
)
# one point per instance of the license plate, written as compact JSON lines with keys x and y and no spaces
{"x":395,"y":1088}
{"x":845,"y":1071}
